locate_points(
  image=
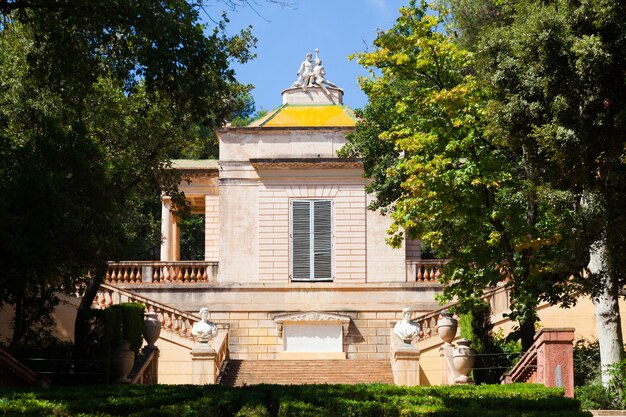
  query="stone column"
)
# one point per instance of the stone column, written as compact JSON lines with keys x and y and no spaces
{"x":203,"y":364}
{"x":212,"y":228}
{"x":167,"y":220}
{"x":175,"y":254}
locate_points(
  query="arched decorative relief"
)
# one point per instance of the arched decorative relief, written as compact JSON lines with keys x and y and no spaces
{"x":304,"y":191}
{"x":311,"y":316}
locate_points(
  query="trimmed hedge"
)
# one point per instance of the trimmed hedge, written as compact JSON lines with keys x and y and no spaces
{"x":518,"y":400}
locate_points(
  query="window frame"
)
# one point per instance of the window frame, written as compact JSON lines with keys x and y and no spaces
{"x":311,"y":202}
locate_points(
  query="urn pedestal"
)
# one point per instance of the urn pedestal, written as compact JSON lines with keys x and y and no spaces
{"x":123,"y":360}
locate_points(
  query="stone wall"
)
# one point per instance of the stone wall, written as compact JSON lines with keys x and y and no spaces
{"x":253,"y":335}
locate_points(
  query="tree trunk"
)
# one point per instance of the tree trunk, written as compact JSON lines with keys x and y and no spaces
{"x":605,"y":299}
{"x":81,"y":326}
{"x":527,"y":334}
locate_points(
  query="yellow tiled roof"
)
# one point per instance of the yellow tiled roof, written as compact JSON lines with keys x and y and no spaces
{"x":307,"y":116}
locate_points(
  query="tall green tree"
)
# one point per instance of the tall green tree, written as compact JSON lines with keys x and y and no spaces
{"x":556,"y":74}
{"x":94,"y":98}
{"x":470,"y":195}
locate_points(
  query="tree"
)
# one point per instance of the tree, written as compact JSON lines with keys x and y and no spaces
{"x":556,"y":73}
{"x":469,"y":194}
{"x":94,"y":97}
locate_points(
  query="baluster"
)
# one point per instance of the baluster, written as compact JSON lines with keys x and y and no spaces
{"x":426,"y":274}
{"x":179,"y":274}
{"x":110,"y":302}
{"x":181,"y":326}
{"x":125,"y":277}
{"x":169,"y":325}
{"x":156,"y":274}
{"x":138,"y":275}
{"x":419,"y":273}
{"x":205,"y":274}
{"x":186,"y":274}
{"x":107,"y":277}
{"x":175,"y":324}
{"x":438,"y":273}
{"x":421,"y":324}
{"x":132,"y":274}
{"x":113,"y":274}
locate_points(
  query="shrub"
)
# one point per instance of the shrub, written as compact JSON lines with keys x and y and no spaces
{"x":376,"y":400}
{"x":595,"y":397}
{"x":586,"y":362}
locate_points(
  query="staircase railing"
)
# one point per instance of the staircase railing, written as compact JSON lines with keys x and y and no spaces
{"x":14,"y":373}
{"x":497,"y":299}
{"x":147,"y":364}
{"x":172,"y":320}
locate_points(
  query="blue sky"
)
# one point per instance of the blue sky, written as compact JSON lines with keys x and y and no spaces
{"x":337,"y":28}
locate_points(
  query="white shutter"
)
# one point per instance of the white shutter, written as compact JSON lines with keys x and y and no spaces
{"x":311,"y":240}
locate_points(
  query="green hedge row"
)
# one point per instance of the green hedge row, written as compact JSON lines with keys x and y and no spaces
{"x":519,"y":400}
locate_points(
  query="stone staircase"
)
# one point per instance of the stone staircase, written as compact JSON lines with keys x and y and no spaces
{"x":292,"y":372}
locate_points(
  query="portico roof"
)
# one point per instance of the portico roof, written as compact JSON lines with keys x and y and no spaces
{"x":308,"y":115}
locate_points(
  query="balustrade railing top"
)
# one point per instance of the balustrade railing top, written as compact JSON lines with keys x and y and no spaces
{"x":159,"y":272}
{"x":425,"y":271}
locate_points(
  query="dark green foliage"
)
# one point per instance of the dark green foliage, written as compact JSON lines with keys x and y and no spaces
{"x":520,"y":400}
{"x":95,"y":97}
{"x":125,"y":322}
{"x":192,"y":237}
{"x":493,"y":354}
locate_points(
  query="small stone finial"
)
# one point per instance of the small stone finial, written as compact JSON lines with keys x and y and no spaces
{"x":204,"y":330}
{"x":406,"y":329}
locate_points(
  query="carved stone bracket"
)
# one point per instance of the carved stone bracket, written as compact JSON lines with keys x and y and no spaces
{"x":311,"y":316}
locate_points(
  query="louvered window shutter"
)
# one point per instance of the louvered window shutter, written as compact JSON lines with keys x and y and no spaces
{"x":311,"y":240}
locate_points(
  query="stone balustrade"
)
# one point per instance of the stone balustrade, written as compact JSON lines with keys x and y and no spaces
{"x":159,"y":272}
{"x":425,"y":271}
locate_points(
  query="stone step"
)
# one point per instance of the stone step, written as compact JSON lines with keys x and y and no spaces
{"x":290,"y":372}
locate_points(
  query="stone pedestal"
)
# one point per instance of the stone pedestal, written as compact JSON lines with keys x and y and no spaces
{"x":406,"y":366}
{"x":203,"y":364}
{"x":448,"y":374}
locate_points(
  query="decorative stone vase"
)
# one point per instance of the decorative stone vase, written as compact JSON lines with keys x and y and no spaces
{"x":151,"y":328}
{"x":123,"y":360}
{"x":446,"y":327}
{"x":463,"y":359}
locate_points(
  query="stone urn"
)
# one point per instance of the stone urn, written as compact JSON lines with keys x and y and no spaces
{"x":463,"y":359}
{"x":446,"y":327}
{"x":151,"y":328}
{"x":123,"y":360}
